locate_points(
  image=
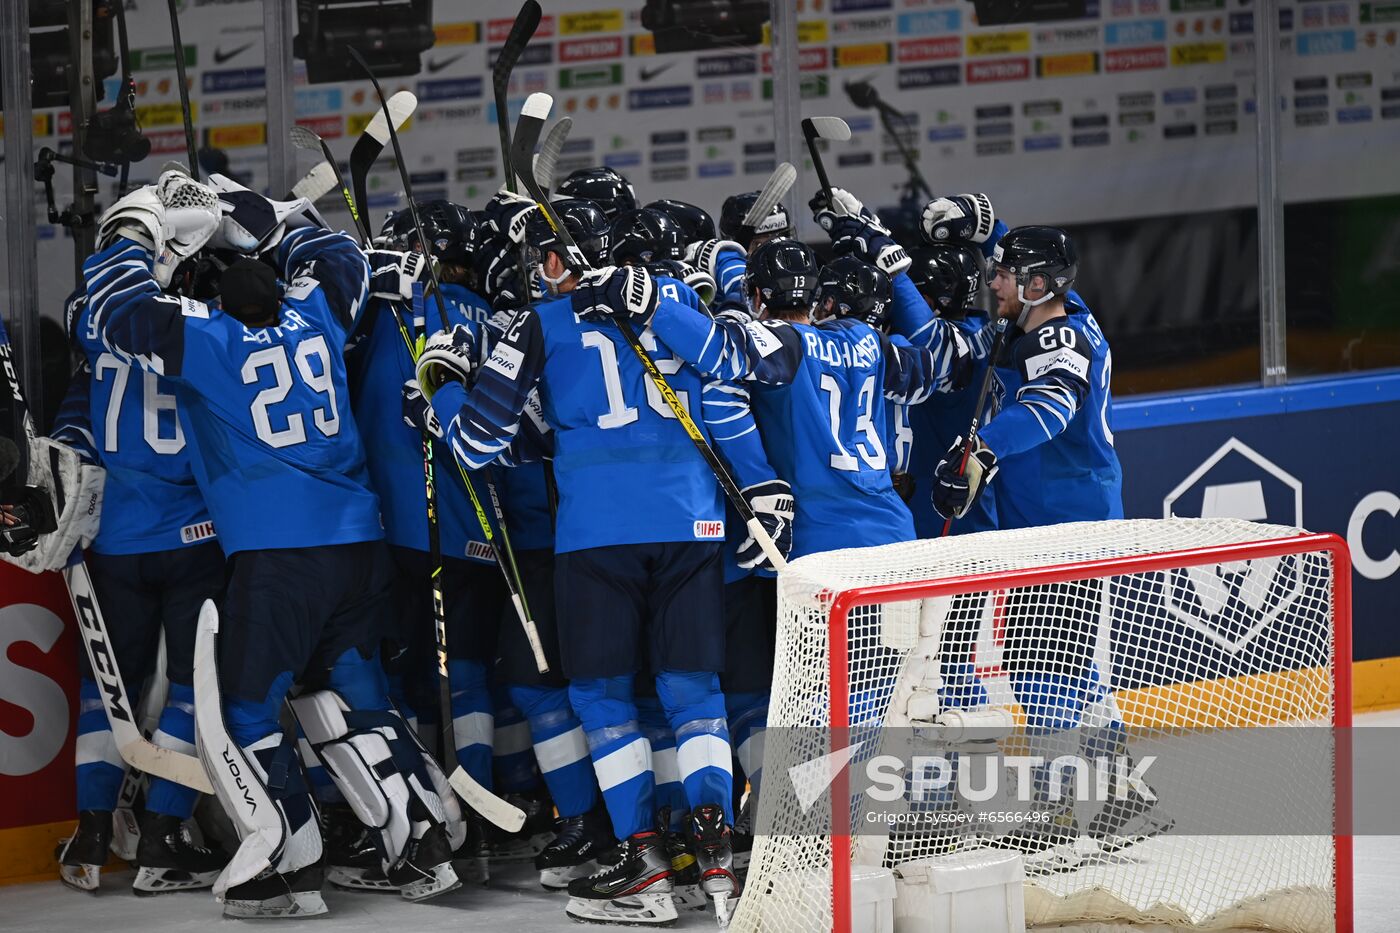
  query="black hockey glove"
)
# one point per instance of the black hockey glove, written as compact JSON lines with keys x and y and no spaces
{"x":23,"y":521}
{"x":615,"y":293}
{"x":955,"y":487}
{"x":417,"y":413}
{"x":773,"y":506}
{"x":856,"y":237}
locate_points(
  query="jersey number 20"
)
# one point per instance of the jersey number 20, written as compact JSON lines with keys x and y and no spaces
{"x":327,"y":419}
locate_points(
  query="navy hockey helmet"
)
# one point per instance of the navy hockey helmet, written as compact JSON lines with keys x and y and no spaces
{"x":731,"y":220}
{"x":1030,"y":251}
{"x":948,"y":275}
{"x":584,"y":221}
{"x":855,"y":289}
{"x":450,"y":230}
{"x":785,"y":274}
{"x":603,"y":186}
{"x":695,"y":222}
{"x":645,"y":235}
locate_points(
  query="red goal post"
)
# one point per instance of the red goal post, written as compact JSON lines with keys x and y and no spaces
{"x":1308,"y":672}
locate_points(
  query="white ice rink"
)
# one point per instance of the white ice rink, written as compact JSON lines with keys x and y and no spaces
{"x":513,"y":903}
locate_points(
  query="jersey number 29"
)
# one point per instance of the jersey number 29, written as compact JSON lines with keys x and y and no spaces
{"x":327,"y":419}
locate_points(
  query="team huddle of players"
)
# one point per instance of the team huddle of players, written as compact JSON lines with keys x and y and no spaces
{"x":259,"y":388}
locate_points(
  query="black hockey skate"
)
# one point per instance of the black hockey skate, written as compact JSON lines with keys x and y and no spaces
{"x":530,"y":840}
{"x":574,"y":851}
{"x":295,"y":894}
{"x":1048,"y":844}
{"x":713,"y":845}
{"x":170,"y":860}
{"x":741,"y":838}
{"x":472,"y":859}
{"x":352,"y":855}
{"x":632,"y":887}
{"x":685,"y":874}
{"x":425,"y":870}
{"x":82,"y":855}
{"x":1124,"y":823}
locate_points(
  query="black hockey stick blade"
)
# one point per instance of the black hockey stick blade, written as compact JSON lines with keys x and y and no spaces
{"x":521,"y":31}
{"x":304,"y":138}
{"x":373,"y":140}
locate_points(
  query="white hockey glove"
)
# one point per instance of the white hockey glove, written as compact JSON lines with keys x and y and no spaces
{"x":139,"y":215}
{"x":853,"y":236}
{"x":417,"y":413}
{"x":967,"y":217}
{"x":773,"y":506}
{"x":704,"y":255}
{"x":447,"y":355}
{"x":841,"y":204}
{"x":192,"y":212}
{"x":612,"y":292}
{"x":252,"y":224}
{"x":392,"y":274}
{"x":955,"y":487}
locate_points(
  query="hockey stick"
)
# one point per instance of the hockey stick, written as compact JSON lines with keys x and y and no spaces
{"x":527,"y":133}
{"x":184,"y":90}
{"x":771,"y":193}
{"x":372,"y":141}
{"x":305,"y":139}
{"x":316,"y":183}
{"x":136,"y":750}
{"x":456,"y":776}
{"x":999,"y":336}
{"x":814,"y":128}
{"x":126,"y":829}
{"x":526,"y":22}
{"x":548,"y":159}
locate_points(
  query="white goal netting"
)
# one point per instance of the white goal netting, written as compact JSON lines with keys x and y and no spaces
{"x":1114,"y":635}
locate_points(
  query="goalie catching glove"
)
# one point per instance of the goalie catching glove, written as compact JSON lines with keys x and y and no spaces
{"x":966,"y":217}
{"x":955,"y":487}
{"x":417,"y":413}
{"x":773,"y":506}
{"x":615,"y":293}
{"x":173,"y":219}
{"x":448,"y":355}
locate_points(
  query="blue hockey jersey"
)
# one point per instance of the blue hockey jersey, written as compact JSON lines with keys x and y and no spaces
{"x":820,"y":396}
{"x":130,"y":422}
{"x":625,"y":470}
{"x":1053,"y":436}
{"x":465,"y":303}
{"x":275,"y":449}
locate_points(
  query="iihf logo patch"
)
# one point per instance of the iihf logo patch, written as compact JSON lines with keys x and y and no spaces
{"x":709,"y":530}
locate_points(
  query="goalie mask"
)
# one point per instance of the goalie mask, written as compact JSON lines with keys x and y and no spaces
{"x":855,"y":289}
{"x":1029,"y":252}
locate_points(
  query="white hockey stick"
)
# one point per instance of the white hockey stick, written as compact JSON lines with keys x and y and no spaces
{"x":317,"y":183}
{"x":126,"y":828}
{"x":547,"y":160}
{"x":772,"y":192}
{"x":136,"y":750}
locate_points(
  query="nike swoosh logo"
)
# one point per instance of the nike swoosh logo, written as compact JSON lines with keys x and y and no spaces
{"x":646,"y":74}
{"x":435,"y":67}
{"x":220,"y":56}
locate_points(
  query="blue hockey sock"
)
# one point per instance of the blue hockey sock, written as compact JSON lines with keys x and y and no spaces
{"x":670,"y":792}
{"x":620,"y":753}
{"x":99,"y":766}
{"x":176,"y":732}
{"x":560,"y":747}
{"x":472,"y":722}
{"x":694,"y":705}
{"x":512,"y":761}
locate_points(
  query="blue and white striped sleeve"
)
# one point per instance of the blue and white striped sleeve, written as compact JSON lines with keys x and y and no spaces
{"x":769,"y":352}
{"x":130,"y":315}
{"x":1055,"y":382}
{"x":725,"y":406}
{"x":337,"y":264}
{"x":730,"y":268}
{"x":73,"y":424}
{"x":913,"y":373}
{"x":480,"y":425}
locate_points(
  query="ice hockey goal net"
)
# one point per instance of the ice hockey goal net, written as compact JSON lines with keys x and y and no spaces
{"x":1186,"y":625}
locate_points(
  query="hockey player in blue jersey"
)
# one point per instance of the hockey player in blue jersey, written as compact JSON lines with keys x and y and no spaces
{"x":280,"y":464}
{"x":452,"y":233}
{"x":721,"y":259}
{"x":637,"y":562}
{"x":154,"y":562}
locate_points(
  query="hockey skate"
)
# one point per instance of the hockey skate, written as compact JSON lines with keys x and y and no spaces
{"x":531,"y":838}
{"x":1048,"y":844}
{"x":82,"y":855}
{"x":741,"y":838}
{"x":714,"y":857}
{"x":685,"y":874}
{"x":472,"y":859}
{"x":574,"y":851}
{"x":170,"y":860}
{"x":425,"y":870}
{"x":352,"y":857}
{"x":295,"y":894}
{"x":1124,"y":823}
{"x":632,"y":887}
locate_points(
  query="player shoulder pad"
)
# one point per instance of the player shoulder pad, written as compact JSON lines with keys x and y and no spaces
{"x":1054,"y":348}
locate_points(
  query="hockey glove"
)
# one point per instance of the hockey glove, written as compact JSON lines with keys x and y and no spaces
{"x":702,"y":283}
{"x":252,"y":224}
{"x":498,"y":270}
{"x":773,"y":506}
{"x":967,"y":217}
{"x":417,"y":413}
{"x":508,"y":213}
{"x":955,"y":487}
{"x":448,"y":355}
{"x":730,"y":310}
{"x":619,"y":293}
{"x":392,"y":274}
{"x":704,"y":254}
{"x":843,"y":204}
{"x":854,"y":237}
